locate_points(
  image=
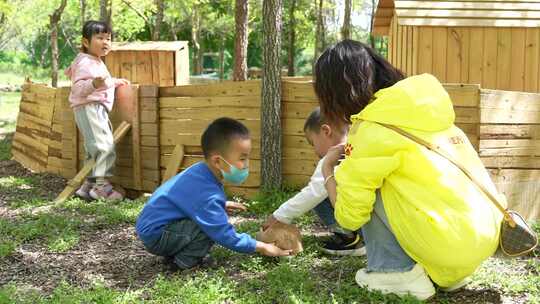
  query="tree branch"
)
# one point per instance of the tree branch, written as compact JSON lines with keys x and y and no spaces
{"x":137,"y":12}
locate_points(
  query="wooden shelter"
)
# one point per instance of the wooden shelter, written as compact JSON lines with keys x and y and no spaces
{"x":162,"y":63}
{"x":491,"y":43}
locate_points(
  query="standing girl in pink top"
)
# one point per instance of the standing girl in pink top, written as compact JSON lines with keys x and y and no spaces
{"x":92,"y":97}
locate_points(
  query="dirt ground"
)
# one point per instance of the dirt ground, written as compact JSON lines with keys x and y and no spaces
{"x":116,"y":257}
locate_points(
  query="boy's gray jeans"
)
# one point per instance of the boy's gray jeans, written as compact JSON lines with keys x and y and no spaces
{"x":183,"y":241}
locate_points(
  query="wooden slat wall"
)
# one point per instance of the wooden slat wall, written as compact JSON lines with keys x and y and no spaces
{"x":30,"y":144}
{"x":495,"y":57}
{"x":185,"y":111}
{"x":148,"y":67}
{"x":510,"y":146}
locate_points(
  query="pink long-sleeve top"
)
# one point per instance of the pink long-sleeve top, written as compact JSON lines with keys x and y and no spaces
{"x":82,"y":72}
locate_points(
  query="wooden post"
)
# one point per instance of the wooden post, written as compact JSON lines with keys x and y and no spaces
{"x":174,"y":162}
{"x":136,"y":140}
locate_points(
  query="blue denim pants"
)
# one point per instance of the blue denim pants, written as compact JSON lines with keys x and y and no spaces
{"x":183,"y":241}
{"x":384,"y":254}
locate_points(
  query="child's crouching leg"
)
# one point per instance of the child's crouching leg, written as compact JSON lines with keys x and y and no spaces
{"x":186,"y":243}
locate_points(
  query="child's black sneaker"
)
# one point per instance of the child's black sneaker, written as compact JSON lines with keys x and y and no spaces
{"x":343,"y":244}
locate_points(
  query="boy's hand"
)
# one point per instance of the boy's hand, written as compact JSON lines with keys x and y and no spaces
{"x":98,"y":82}
{"x":271,"y":250}
{"x":270,"y":221}
{"x":121,"y":82}
{"x":230,"y":207}
{"x":333,"y":156}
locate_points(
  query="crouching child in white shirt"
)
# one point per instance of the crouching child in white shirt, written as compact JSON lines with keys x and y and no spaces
{"x":314,"y":196}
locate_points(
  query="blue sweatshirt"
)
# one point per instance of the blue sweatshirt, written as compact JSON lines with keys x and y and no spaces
{"x":196,"y":194}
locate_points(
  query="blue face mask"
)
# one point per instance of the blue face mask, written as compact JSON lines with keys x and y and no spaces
{"x":236,"y":176}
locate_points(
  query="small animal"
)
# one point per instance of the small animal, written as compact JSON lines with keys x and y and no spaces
{"x":285,"y":236}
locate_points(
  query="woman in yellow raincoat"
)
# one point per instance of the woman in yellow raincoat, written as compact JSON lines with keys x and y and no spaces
{"x":421,"y":217}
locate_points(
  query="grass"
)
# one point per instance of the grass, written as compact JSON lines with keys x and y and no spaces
{"x":310,"y":277}
{"x":9,"y":109}
{"x":60,"y":228}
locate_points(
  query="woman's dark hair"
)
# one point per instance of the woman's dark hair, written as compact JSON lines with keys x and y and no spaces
{"x":92,"y":27}
{"x":347,"y":75}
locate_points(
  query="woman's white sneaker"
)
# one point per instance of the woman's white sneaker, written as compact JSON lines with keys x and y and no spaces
{"x":414,"y":282}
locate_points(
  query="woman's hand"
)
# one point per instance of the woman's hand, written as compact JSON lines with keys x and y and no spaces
{"x":231,"y":207}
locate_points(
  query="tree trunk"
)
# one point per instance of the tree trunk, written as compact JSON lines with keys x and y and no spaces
{"x":160,"y":5}
{"x":319,"y":29}
{"x":54,"y":19}
{"x":222,"y":57}
{"x":271,"y":96}
{"x":292,"y":39}
{"x":103,"y":10}
{"x":346,"y":28}
{"x":195,"y":37}
{"x":83,"y":11}
{"x":241,"y":40}
{"x":371,"y":38}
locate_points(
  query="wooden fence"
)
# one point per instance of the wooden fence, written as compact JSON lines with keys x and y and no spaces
{"x":503,"y":126}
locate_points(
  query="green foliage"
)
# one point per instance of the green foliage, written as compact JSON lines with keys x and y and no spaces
{"x":265,"y":203}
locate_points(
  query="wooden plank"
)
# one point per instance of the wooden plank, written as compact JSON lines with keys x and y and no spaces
{"x":295,"y":141}
{"x":136,"y":139}
{"x":296,"y":110}
{"x":509,"y":116}
{"x":149,"y":129}
{"x":517,"y":69}
{"x":390,"y":45}
{"x":464,"y":54}
{"x":485,"y":5}
{"x":74,"y":183}
{"x":453,"y":58}
{"x":415,"y":49}
{"x":150,"y":141}
{"x":225,"y":88}
{"x":212,"y":101}
{"x":210,"y":113}
{"x":400,"y":49}
{"x":467,"y":115}
{"x":508,"y":100}
{"x":410,"y":50}
{"x":189,"y":160}
{"x":464,"y":95}
{"x":143,"y":65}
{"x":174,"y":162}
{"x":148,"y":91}
{"x":498,"y":131}
{"x":436,"y":22}
{"x":127,"y":66}
{"x":532,"y":51}
{"x":469,"y":128}
{"x":166,"y":65}
{"x":476,"y":55}
{"x":394,"y":41}
{"x":513,"y":147}
{"x":439,"y":53}
{"x":504,"y":58}
{"x":511,"y":162}
{"x":425,"y":52}
{"x":468,"y":13}
{"x":30,"y":141}
{"x":190,"y":126}
{"x":489,"y":66}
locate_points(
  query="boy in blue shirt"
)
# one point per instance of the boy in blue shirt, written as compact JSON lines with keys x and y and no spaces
{"x":188,"y":213}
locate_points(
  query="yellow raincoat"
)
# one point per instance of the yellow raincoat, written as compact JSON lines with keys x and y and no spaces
{"x":438,"y":216}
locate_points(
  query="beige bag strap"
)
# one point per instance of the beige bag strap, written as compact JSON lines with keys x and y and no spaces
{"x":439,"y":151}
